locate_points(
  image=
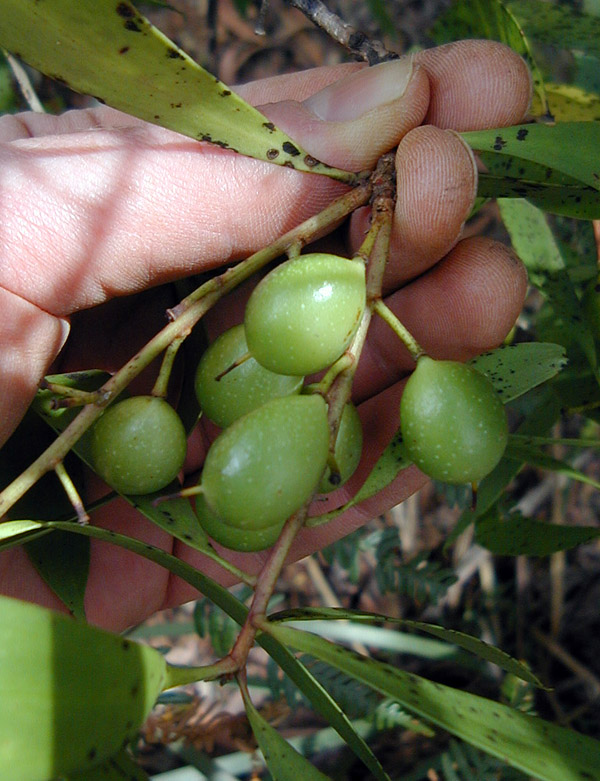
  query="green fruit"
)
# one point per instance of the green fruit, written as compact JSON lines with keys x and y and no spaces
{"x":138,"y":446}
{"x":242,"y":389}
{"x":348,"y":449}
{"x":301,"y":317}
{"x":263,"y":468}
{"x":245,"y":540}
{"x":453,"y":423}
{"x":71,"y":694}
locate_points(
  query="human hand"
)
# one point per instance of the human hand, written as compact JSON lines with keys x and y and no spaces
{"x":97,"y":205}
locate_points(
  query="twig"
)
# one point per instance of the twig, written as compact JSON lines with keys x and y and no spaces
{"x":368,"y":49}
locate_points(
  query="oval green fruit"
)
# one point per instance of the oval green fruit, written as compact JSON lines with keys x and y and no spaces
{"x":242,"y":389}
{"x":348,"y":450}
{"x":138,"y":446}
{"x":453,"y":423}
{"x":244,"y":540}
{"x":301,"y":317}
{"x":72,"y":694}
{"x":263,"y":468}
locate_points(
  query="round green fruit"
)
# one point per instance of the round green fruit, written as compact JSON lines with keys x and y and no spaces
{"x":138,"y":446}
{"x":263,"y":468}
{"x":242,"y":389}
{"x":301,"y":317}
{"x":245,"y":540}
{"x":348,"y":449}
{"x":453,"y":423}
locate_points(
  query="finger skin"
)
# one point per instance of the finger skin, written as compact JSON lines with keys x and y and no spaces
{"x":476,"y":85}
{"x":29,"y":339}
{"x":437,"y":185}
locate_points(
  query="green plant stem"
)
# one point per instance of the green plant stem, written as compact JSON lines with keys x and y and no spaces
{"x":71,"y":397}
{"x":291,"y":241}
{"x":180,"y":676}
{"x":265,"y":585}
{"x":337,"y":396}
{"x":161,"y":385}
{"x":72,"y":493}
{"x":184,"y":317}
{"x":399,"y":329}
{"x":383,"y":204}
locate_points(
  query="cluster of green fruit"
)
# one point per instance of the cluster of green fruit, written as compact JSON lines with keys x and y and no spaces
{"x":274,"y":451}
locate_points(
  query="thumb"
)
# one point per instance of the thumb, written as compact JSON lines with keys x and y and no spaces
{"x":352,"y":122}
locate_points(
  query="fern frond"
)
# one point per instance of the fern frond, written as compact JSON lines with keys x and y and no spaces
{"x":419,"y":578}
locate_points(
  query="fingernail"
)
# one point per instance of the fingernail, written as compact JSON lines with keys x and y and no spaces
{"x":362,"y":91}
{"x":65,"y":330}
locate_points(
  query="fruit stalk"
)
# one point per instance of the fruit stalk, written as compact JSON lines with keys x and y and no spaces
{"x":376,"y":246}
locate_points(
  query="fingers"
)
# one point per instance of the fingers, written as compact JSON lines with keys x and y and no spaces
{"x":336,"y":124}
{"x":437,"y":185}
{"x":463,"y":306}
{"x":29,"y":340}
{"x":475,"y":85}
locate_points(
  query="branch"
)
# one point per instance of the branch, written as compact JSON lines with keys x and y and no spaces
{"x":357,"y":42}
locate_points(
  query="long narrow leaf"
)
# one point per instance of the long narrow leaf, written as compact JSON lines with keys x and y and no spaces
{"x":528,"y":743}
{"x":570,"y":148}
{"x":110,"y":50}
{"x":469,"y":643}
{"x":283,"y":761}
{"x":234,"y":608}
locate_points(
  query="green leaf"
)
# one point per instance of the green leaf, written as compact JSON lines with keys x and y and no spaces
{"x":537,"y":247}
{"x":521,"y":536}
{"x":578,"y":201}
{"x":63,"y":561}
{"x":283,"y":761}
{"x":121,"y":767}
{"x":16,"y":532}
{"x":558,"y":25}
{"x":78,"y":691}
{"x":570,"y":103}
{"x":569,"y":148}
{"x":175,"y":516}
{"x":555,"y":166}
{"x":109,"y":50}
{"x":234,"y":608}
{"x":388,"y":466}
{"x":530,"y":454}
{"x":517,"y":368}
{"x":322,"y":702}
{"x":493,"y":20}
{"x":531,"y":744}
{"x":469,"y":643}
